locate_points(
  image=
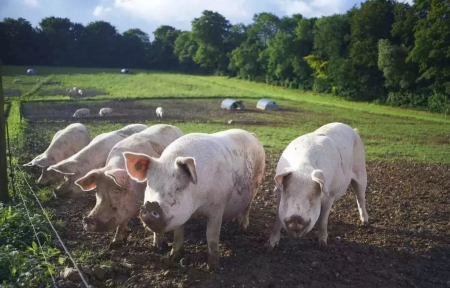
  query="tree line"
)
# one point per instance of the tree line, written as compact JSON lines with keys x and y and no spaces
{"x":384,"y":51}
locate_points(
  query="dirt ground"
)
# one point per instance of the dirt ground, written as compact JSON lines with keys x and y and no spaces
{"x":406,"y":245}
{"x":199,"y":110}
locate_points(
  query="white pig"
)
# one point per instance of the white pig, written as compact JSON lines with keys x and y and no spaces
{"x":90,"y":157}
{"x":118,"y":197}
{"x":215,"y":176}
{"x":65,"y":143}
{"x":105,"y":111}
{"x":313,"y":172}
{"x":159,"y":112}
{"x":83,"y":112}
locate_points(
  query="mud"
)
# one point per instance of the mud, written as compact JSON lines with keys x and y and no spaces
{"x":406,"y":245}
{"x":179,"y":110}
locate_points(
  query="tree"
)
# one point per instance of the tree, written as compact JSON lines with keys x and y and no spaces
{"x":101,"y":45}
{"x":185,"y":49}
{"x":264,"y":27}
{"x":135,"y":48}
{"x":211,"y":31}
{"x":20,"y":43}
{"x":432,"y":43}
{"x":163,"y":47}
{"x":370,"y":23}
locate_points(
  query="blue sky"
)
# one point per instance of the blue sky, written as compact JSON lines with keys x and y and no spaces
{"x":149,"y":14}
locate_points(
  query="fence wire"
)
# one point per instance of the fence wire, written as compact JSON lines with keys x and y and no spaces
{"x":35,"y":234}
{"x":12,"y":174}
{"x":53,"y":228}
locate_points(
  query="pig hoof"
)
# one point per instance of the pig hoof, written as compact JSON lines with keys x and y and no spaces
{"x":269,"y":247}
{"x":176,"y":254}
{"x":213,"y":263}
{"x":323,"y":243}
{"x":366,"y":224}
{"x":115,"y":244}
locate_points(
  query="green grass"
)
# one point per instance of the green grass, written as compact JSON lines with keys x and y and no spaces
{"x":388,"y":133}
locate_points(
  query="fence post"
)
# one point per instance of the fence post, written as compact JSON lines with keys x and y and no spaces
{"x":4,"y":196}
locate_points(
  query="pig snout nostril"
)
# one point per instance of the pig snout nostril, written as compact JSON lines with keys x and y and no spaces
{"x":296,"y":223}
{"x":143,"y":211}
{"x":155,"y":214}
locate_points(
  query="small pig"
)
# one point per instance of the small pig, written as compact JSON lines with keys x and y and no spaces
{"x":118,"y":197}
{"x":314,"y":171}
{"x":65,"y":143}
{"x":159,"y":112}
{"x":90,"y":157}
{"x":83,"y":112}
{"x":105,"y":111}
{"x":215,"y":176}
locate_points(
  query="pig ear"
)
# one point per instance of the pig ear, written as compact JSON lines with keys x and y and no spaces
{"x":137,"y":165}
{"x":187,"y":164}
{"x":279,"y":178}
{"x":317,"y":176}
{"x":42,"y":162}
{"x":157,"y":147}
{"x":87,"y":183}
{"x":120,"y":177}
{"x":63,"y":168}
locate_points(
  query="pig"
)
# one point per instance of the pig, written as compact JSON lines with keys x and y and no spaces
{"x":65,"y":143}
{"x":159,"y":112}
{"x":90,"y":157}
{"x":83,"y":112}
{"x":215,"y":176}
{"x":313,"y":172}
{"x":105,"y":111}
{"x":118,"y":197}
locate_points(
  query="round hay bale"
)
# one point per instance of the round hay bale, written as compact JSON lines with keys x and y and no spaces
{"x":31,"y":71}
{"x":125,"y":71}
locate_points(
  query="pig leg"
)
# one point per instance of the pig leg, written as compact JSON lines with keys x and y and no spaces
{"x":359,"y":184}
{"x":275,"y":235}
{"x":178,"y":242}
{"x":159,"y":243}
{"x":212,"y":237}
{"x":322,"y":222}
{"x":119,"y":237}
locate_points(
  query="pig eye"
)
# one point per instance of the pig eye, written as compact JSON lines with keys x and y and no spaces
{"x":155,"y":214}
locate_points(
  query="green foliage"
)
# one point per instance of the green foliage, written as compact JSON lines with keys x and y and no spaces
{"x":21,"y":260}
{"x":432,"y":43}
{"x":212,"y":32}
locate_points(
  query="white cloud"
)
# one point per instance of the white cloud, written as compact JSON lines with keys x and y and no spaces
{"x":313,"y":8}
{"x":101,"y":10}
{"x":32,"y":3}
{"x":167,"y":11}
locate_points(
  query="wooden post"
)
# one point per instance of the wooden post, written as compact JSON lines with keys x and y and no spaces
{"x":4,"y":196}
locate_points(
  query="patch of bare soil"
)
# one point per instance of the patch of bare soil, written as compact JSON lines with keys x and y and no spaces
{"x":406,"y":245}
{"x":12,"y":92}
{"x":180,"y":110}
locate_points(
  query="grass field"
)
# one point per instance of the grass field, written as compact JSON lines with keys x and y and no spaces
{"x":389,"y":133}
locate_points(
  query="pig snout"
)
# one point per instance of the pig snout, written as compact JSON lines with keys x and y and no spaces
{"x":89,"y":224}
{"x":152,"y":216}
{"x":296,"y":225}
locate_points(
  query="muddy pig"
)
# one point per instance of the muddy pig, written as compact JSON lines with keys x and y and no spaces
{"x":90,"y":157}
{"x":313,"y":172}
{"x":65,"y":143}
{"x":118,"y":197}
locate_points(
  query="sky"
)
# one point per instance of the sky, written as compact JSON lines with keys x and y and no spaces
{"x":149,"y":14}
